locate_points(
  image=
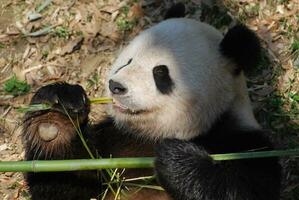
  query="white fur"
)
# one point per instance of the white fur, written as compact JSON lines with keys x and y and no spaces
{"x":204,"y":83}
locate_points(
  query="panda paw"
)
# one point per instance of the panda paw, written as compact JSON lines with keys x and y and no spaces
{"x":65,"y":98}
{"x":50,"y":134}
{"x":179,"y":165}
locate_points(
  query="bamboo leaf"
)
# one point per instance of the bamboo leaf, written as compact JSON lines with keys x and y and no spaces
{"x":40,"y":32}
{"x":33,"y":108}
{"x":45,"y":4}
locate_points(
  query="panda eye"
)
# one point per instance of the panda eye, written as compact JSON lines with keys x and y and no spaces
{"x":160,"y":70}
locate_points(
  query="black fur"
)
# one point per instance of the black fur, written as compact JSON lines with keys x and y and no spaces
{"x":72,"y":97}
{"x":187,"y":172}
{"x":63,"y":185}
{"x":176,"y":11}
{"x":242,"y":46}
{"x":162,"y":79}
{"x":60,"y":185}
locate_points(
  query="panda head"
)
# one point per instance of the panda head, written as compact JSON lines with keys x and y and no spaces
{"x":178,"y":77}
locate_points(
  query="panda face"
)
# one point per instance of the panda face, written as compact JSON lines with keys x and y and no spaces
{"x":172,"y":81}
{"x":141,"y":81}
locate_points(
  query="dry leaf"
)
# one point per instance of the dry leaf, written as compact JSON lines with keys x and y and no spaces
{"x":110,"y":8}
{"x":109,"y":30}
{"x":136,"y":11}
{"x":72,"y":46}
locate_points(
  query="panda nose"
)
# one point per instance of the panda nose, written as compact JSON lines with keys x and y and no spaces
{"x":117,"y":88}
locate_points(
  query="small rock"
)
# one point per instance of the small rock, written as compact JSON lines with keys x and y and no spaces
{"x":3,"y":147}
{"x":9,"y":174}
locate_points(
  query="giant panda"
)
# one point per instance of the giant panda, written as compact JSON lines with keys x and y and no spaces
{"x":180,"y":95}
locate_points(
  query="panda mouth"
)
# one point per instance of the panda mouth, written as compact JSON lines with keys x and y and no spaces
{"x":126,"y":110}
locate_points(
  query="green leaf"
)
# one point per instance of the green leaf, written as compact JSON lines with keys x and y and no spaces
{"x":296,"y":98}
{"x":16,"y":87}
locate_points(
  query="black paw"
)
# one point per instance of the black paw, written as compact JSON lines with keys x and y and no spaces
{"x":51,"y":134}
{"x":63,"y":97}
{"x":177,"y":166}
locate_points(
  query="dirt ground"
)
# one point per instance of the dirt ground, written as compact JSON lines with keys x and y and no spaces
{"x":76,"y":41}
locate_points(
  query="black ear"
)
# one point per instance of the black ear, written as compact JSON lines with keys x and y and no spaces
{"x":176,"y":11}
{"x":243,"y":46}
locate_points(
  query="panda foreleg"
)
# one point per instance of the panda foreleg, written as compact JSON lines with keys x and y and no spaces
{"x":53,"y":135}
{"x":187,"y":172}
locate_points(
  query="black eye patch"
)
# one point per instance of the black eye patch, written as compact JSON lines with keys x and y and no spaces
{"x":162,"y":79}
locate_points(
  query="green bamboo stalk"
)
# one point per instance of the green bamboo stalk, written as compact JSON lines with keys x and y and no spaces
{"x":256,"y":154}
{"x":146,"y":162}
{"x":101,"y":100}
{"x":74,"y":165}
{"x":39,"y":107}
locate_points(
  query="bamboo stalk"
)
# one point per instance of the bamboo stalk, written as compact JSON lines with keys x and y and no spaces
{"x":74,"y":165}
{"x":256,"y":154}
{"x":146,"y":162}
{"x":101,"y":100}
{"x":39,"y":107}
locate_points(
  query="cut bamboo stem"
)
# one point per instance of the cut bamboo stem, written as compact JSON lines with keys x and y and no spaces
{"x":141,"y":162}
{"x":39,"y":107}
{"x":101,"y":100}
